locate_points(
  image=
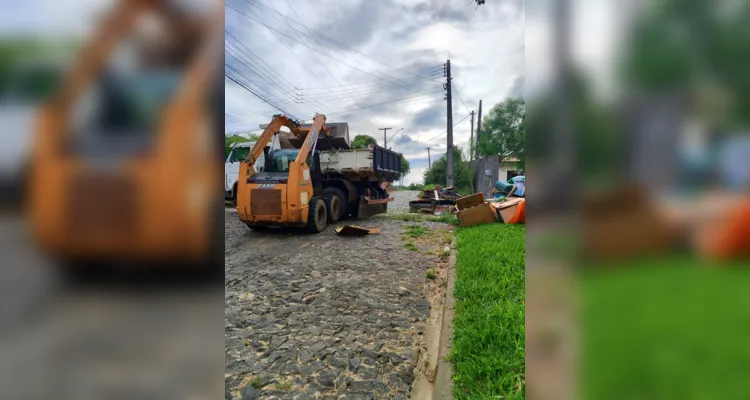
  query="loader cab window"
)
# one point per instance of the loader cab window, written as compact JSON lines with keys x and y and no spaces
{"x":133,"y":102}
{"x":279,"y":160}
{"x":121,"y":113}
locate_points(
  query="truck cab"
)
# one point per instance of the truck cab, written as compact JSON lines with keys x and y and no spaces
{"x":237,"y":155}
{"x":29,"y":85}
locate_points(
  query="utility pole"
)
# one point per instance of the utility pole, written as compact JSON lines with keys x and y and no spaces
{"x":447,"y":86}
{"x":479,"y":129}
{"x":429,"y":161}
{"x":471,"y":142}
{"x":384,"y":136}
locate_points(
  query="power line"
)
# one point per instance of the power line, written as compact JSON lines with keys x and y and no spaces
{"x":324,"y":37}
{"x":308,"y":47}
{"x":319,"y":52}
{"x":446,"y":131}
{"x":242,"y":85}
{"x":436,"y":71}
{"x":387,"y":102}
{"x":371,"y":87}
{"x":459,"y":97}
{"x":272,"y":84}
{"x":274,"y":32}
{"x":289,"y":86}
{"x":260,"y":59}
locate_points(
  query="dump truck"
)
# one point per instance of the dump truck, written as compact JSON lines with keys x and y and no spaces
{"x":121,"y":141}
{"x":314,"y":179}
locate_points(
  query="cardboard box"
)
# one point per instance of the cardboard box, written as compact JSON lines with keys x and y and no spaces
{"x":472,"y":210}
{"x":621,"y":225}
{"x":470,"y":201}
{"x":507,"y":210}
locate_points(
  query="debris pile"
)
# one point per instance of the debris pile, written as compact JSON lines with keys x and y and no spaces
{"x":437,"y":201}
{"x":470,"y":210}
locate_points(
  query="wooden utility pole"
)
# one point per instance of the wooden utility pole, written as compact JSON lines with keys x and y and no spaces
{"x":479,"y":129}
{"x":448,"y":84}
{"x":429,"y":162}
{"x":471,"y":141}
{"x":384,"y":136}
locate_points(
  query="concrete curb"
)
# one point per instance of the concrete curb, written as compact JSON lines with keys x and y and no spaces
{"x":444,"y":377}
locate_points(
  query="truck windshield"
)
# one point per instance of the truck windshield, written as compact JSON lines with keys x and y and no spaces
{"x":31,"y":85}
{"x":239,"y":154}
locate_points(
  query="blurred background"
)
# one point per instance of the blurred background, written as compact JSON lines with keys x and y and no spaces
{"x":111,"y":267}
{"x":639,"y":158}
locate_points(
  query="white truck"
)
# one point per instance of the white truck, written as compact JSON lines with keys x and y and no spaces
{"x":237,"y":154}
{"x":28,"y":85}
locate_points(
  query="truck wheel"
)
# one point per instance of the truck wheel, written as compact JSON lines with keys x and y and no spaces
{"x":335,"y":203}
{"x":318,"y":217}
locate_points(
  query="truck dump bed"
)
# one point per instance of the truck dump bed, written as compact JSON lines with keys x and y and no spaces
{"x":339,"y":137}
{"x":375,"y":160}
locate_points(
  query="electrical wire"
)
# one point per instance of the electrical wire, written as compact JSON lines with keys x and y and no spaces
{"x":255,"y":19}
{"x":316,"y":41}
{"x":242,"y":85}
{"x":459,"y":97}
{"x":386,"y":102}
{"x":326,"y":38}
{"x":446,"y":131}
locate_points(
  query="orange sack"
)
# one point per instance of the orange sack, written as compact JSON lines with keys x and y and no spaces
{"x":732,"y":240}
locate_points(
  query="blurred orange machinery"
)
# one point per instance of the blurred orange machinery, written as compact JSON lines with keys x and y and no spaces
{"x":134,"y":180}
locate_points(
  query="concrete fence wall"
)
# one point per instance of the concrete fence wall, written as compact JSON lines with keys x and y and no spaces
{"x":486,"y":172}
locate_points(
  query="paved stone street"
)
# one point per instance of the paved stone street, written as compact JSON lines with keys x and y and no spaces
{"x":323,"y":316}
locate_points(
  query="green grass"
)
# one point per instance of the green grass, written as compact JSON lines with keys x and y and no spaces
{"x":284,"y":385}
{"x":415,"y":231}
{"x":415,"y":217}
{"x":489,"y":334}
{"x":431,"y":274}
{"x":666,"y":329}
{"x":257,"y":382}
{"x":411,"y":246}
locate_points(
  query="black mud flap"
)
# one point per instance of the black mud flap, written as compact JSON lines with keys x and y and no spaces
{"x":367,"y":210}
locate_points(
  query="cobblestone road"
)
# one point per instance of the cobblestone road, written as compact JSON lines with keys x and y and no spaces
{"x":322,"y":316}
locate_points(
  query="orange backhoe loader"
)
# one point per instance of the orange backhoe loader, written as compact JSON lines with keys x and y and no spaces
{"x":309,"y":187}
{"x":289,"y":199}
{"x":122,"y":141}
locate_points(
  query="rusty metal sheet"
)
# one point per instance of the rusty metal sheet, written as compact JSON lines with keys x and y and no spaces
{"x":354,"y":230}
{"x":379,"y":201}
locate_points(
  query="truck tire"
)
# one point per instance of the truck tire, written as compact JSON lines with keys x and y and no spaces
{"x":317,"y":220}
{"x":335,"y":203}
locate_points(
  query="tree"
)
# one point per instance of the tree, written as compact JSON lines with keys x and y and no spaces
{"x":437,"y":175}
{"x":503,"y":130}
{"x":693,"y":48}
{"x":405,"y":168}
{"x":230,"y":140}
{"x":362,"y":141}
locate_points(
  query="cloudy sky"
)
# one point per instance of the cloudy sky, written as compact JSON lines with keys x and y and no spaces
{"x":347,"y":57}
{"x":373,"y":64}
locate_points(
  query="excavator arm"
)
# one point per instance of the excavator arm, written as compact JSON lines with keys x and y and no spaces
{"x":318,"y":126}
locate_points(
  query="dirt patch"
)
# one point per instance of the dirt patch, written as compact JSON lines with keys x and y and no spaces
{"x":436,"y":244}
